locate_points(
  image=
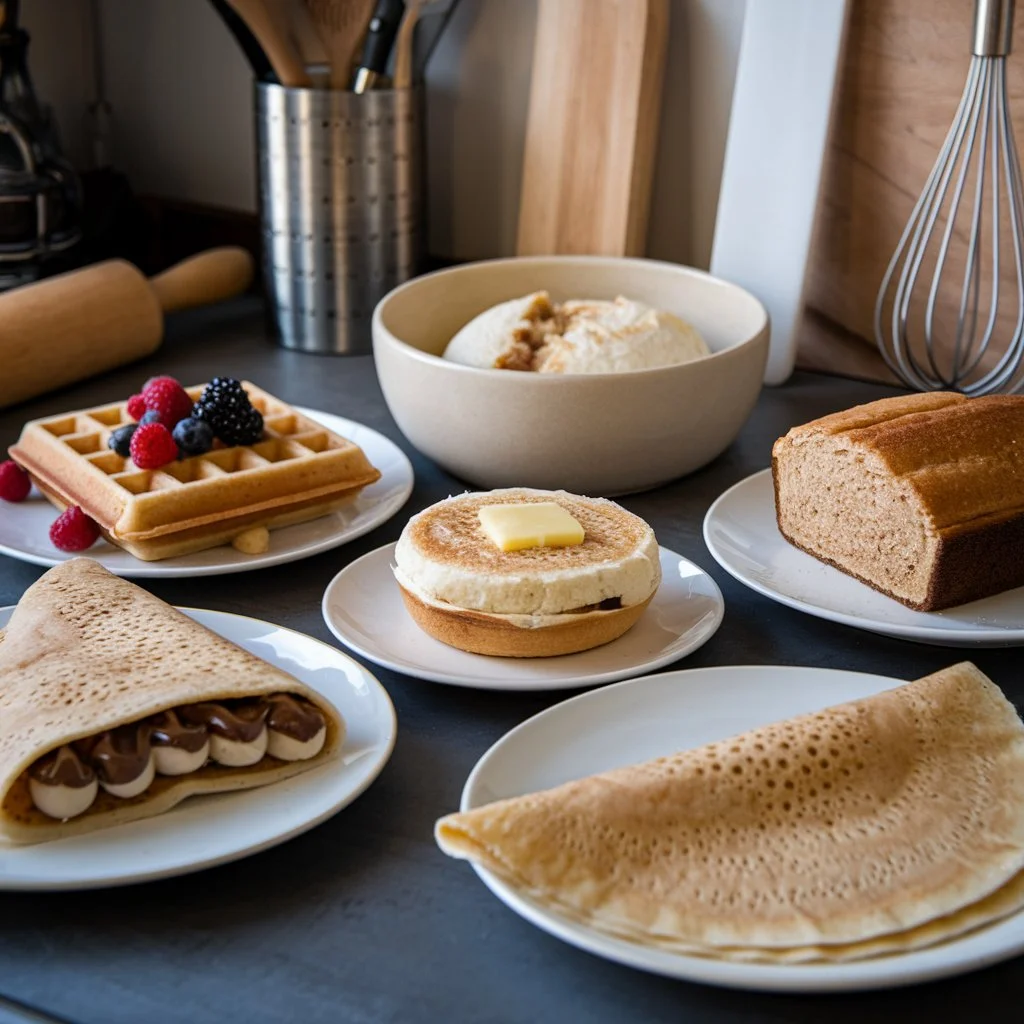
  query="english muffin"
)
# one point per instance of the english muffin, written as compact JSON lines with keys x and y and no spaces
{"x":462,"y":588}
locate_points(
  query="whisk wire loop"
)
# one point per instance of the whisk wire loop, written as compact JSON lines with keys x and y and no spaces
{"x":975,"y":188}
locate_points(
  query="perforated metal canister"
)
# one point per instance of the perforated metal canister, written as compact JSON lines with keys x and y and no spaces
{"x":341,"y":205}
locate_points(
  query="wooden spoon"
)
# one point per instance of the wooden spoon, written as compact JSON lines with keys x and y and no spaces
{"x":402,"y":78}
{"x":268,"y":32}
{"x":342,"y":26}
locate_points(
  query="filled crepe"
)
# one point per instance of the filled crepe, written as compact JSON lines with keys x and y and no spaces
{"x":880,"y":825}
{"x":114,"y":706}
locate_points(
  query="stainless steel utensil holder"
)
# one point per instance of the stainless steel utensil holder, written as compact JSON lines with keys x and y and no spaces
{"x":340,"y":178}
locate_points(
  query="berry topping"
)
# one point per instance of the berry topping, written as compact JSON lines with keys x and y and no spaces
{"x":165,"y":396}
{"x":151,"y":416}
{"x":121,"y":439}
{"x":194,"y":436}
{"x":14,"y":482}
{"x":226,"y":407}
{"x":152,"y":446}
{"x":136,"y":407}
{"x":73,"y":530}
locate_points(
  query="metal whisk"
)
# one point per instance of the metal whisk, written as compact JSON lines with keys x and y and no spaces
{"x":979,"y":159}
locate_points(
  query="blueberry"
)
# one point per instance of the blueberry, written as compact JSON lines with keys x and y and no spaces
{"x":193,"y":436}
{"x":120,"y":440}
{"x":150,"y":417}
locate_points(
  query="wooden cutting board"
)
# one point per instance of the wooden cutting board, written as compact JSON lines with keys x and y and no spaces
{"x":903,"y":74}
{"x":595,"y":100}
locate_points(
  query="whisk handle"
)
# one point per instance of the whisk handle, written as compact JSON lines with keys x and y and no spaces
{"x":993,"y":28}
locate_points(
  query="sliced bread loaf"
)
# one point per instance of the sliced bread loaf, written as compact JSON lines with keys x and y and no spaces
{"x":920,"y":496}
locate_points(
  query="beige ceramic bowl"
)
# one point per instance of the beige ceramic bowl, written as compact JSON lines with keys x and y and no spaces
{"x":596,"y":434}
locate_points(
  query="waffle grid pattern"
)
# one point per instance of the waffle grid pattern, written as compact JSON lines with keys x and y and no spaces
{"x":287,"y":435}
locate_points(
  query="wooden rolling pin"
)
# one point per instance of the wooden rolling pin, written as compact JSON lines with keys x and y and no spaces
{"x":70,"y":327}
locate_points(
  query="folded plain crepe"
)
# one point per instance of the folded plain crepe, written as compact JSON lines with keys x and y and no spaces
{"x":877,"y":826}
{"x":85,"y":652}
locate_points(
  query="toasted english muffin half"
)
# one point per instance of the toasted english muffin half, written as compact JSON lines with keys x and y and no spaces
{"x":465,"y":591}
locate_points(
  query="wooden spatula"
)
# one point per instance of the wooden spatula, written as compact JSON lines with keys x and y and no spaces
{"x":342,"y":25}
{"x":297,"y":22}
{"x":595,"y":100}
{"x":267,"y":25}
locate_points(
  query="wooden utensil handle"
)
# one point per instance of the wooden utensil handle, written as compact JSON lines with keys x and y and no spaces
{"x":212,"y":276}
{"x":272,"y":36}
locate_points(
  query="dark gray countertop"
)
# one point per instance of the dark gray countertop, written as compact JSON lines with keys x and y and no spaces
{"x":363,"y":919}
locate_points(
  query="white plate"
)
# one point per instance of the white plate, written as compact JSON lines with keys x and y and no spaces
{"x":741,"y":533}
{"x":24,"y":527}
{"x":364,"y":610}
{"x":659,"y":715}
{"x":208,"y":830}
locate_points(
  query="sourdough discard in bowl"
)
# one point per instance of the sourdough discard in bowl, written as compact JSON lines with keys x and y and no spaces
{"x":595,"y":433}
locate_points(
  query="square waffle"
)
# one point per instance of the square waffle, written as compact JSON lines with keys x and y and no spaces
{"x":299,"y":471}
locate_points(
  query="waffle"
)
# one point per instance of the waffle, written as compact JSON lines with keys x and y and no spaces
{"x":299,"y":471}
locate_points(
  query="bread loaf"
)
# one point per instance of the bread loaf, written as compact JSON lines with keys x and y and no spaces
{"x":920,"y":496}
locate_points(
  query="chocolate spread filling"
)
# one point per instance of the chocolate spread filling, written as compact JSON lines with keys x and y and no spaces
{"x":121,"y":755}
{"x":240,"y":722}
{"x":294,"y":717}
{"x":167,"y":730}
{"x":62,"y":767}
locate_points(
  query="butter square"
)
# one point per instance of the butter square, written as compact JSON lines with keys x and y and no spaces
{"x":531,"y":525}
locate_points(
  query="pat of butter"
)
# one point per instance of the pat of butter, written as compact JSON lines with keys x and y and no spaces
{"x":541,"y":524}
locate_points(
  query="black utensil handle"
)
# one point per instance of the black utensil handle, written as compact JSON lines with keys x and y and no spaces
{"x":254,"y":54}
{"x":380,"y":34}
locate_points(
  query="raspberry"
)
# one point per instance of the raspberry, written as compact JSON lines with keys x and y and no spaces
{"x":73,"y":530}
{"x":136,"y":407}
{"x":14,"y":482}
{"x":152,"y":446}
{"x":165,"y":396}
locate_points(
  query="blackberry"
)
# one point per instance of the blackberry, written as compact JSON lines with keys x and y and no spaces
{"x":120,"y":440}
{"x":193,"y":436}
{"x":225,"y":406}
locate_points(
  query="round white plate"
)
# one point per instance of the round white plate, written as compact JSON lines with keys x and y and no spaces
{"x":364,"y":610}
{"x":741,"y":534}
{"x":658,"y":715}
{"x":208,"y":830}
{"x":24,"y":527}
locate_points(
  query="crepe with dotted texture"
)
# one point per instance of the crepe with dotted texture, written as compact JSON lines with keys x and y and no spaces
{"x":85,"y":651}
{"x":868,"y":827}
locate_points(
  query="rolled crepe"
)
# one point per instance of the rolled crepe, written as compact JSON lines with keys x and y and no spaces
{"x":870,"y":827}
{"x":85,"y":652}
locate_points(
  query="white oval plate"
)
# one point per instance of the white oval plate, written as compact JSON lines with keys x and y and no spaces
{"x":741,"y":533}
{"x":658,"y":715}
{"x":25,"y":526}
{"x":208,"y":830}
{"x":363,"y":608}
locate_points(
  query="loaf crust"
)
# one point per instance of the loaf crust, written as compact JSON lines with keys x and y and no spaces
{"x":958,"y":464}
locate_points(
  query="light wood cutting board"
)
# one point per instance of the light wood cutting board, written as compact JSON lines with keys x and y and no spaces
{"x":595,"y":100}
{"x":905,"y":67}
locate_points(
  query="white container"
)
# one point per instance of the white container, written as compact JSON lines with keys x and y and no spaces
{"x":778,"y":132}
